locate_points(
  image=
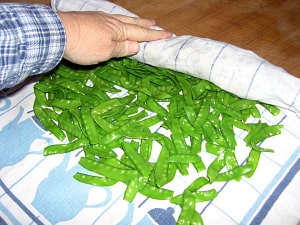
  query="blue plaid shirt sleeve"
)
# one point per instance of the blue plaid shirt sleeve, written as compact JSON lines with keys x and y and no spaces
{"x":32,"y":41}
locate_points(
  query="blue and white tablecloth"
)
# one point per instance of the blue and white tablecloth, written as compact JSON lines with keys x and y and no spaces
{"x":41,"y":190}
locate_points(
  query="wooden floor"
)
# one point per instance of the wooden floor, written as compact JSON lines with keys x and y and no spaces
{"x":270,"y":28}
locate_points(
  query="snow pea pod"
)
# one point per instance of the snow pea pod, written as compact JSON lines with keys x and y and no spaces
{"x":89,"y":125}
{"x":197,"y":184}
{"x":215,"y":167}
{"x":242,"y":104}
{"x":100,"y":150}
{"x":131,"y":190}
{"x":156,"y":192}
{"x":64,"y":103}
{"x":230,"y":159}
{"x":65,"y":122}
{"x":106,"y":106}
{"x":202,"y":114}
{"x":252,"y":160}
{"x":94,"y":180}
{"x":64,"y":148}
{"x":157,"y":108}
{"x":274,"y":110}
{"x":186,"y":89}
{"x":104,"y":124}
{"x":188,"y":128}
{"x":190,"y":114}
{"x":226,"y":128}
{"x":199,"y":196}
{"x":136,"y":159}
{"x":234,"y":174}
{"x":185,"y":158}
{"x":266,"y":132}
{"x":187,"y":209}
{"x":108,"y":171}
{"x":161,"y":168}
{"x":146,"y":149}
{"x":47,"y":122}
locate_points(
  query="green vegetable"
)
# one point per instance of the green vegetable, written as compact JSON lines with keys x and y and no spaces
{"x":124,"y":105}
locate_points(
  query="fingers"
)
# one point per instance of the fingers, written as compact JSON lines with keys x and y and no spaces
{"x":134,"y":20}
{"x":125,"y":48}
{"x":138,"y":33}
{"x":137,"y":29}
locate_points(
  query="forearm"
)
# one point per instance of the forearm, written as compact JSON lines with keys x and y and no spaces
{"x":32,"y":41}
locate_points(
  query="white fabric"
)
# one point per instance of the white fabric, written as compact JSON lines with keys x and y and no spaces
{"x":41,"y":190}
{"x":236,"y":70}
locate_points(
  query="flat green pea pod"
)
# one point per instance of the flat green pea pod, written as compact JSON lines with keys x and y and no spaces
{"x":104,"y":124}
{"x":199,"y":196}
{"x":209,"y":132}
{"x":230,"y":159}
{"x":197,"y":184}
{"x":274,"y":110}
{"x":47,"y":122}
{"x":216,"y":104}
{"x":185,"y":158}
{"x":86,"y":100}
{"x":94,"y":180}
{"x":215,"y":167}
{"x":157,"y":108}
{"x":64,"y":148}
{"x":242,"y":104}
{"x":261,"y":149}
{"x":197,"y":219}
{"x":188,"y":128}
{"x":146,"y":149}
{"x":111,"y":137}
{"x":265,"y":133}
{"x":234,"y":174}
{"x":190,"y":114}
{"x":76,"y":87}
{"x":136,"y":159}
{"x":40,"y":97}
{"x":131,"y":190}
{"x":204,"y":196}
{"x":106,"y":106}
{"x":178,"y":138}
{"x":156,"y":192}
{"x":253,"y":129}
{"x":187,"y":209}
{"x":186,"y":89}
{"x":130,"y":134}
{"x":161,"y":168}
{"x":89,"y":125}
{"x":64,"y":103}
{"x":202,"y":115}
{"x":215,"y":149}
{"x":100,"y":150}
{"x":114,"y":162}
{"x":228,"y":132}
{"x":252,"y":160}
{"x":108,"y":171}
{"x":102,"y":84}
{"x":65,"y":122}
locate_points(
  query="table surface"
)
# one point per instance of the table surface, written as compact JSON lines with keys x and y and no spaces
{"x":270,"y":28}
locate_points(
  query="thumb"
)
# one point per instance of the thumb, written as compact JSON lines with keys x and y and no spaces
{"x":125,"y":48}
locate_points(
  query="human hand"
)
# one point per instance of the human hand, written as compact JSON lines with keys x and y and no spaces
{"x":93,"y":37}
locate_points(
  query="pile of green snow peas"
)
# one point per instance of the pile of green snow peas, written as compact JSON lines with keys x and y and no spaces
{"x":116,"y":105}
